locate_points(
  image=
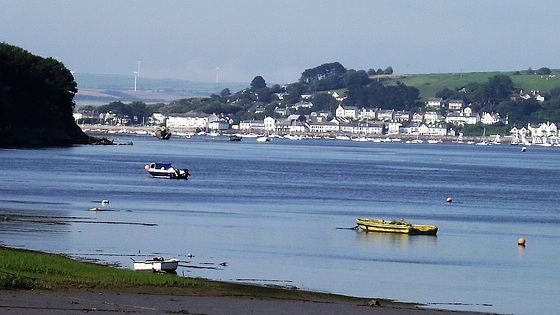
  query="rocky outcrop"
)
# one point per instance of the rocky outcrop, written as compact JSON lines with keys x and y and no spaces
{"x":20,"y":137}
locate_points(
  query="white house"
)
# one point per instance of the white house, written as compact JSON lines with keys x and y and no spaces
{"x":432,"y":117}
{"x":368,"y":128}
{"x":456,"y":105}
{"x":324,"y":126}
{"x":418,"y":118}
{"x":250,"y":125}
{"x":432,"y":130}
{"x":368,"y":113}
{"x":394,"y":128}
{"x":269,"y":124}
{"x":543,"y":130}
{"x":532,"y":94}
{"x":461,"y":118}
{"x":158,"y":119}
{"x":435,"y":102}
{"x":402,"y":115}
{"x":347,"y":111}
{"x":386,"y":115}
{"x":191,"y":120}
{"x":490,"y":118}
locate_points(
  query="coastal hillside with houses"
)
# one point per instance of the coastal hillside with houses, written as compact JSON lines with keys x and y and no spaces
{"x":331,"y":101}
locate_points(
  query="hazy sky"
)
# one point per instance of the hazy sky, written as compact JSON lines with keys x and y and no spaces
{"x":280,"y":39}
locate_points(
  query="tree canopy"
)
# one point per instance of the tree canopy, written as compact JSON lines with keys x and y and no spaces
{"x":40,"y":89}
{"x":36,"y":92}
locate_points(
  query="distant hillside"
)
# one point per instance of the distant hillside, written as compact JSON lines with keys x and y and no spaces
{"x":97,"y":89}
{"x":430,"y":84}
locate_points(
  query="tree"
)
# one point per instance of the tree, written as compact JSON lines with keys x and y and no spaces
{"x":224,"y":94}
{"x":353,"y":77}
{"x":322,"y":71}
{"x":543,"y":71}
{"x":388,"y":70}
{"x":324,"y":101}
{"x":258,"y":83}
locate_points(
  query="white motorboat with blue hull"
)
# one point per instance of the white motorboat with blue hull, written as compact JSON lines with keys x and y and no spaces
{"x":165,"y":170}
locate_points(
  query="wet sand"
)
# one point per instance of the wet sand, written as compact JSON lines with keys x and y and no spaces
{"x":102,"y":302}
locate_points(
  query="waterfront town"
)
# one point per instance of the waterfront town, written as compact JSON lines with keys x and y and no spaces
{"x":350,"y":122}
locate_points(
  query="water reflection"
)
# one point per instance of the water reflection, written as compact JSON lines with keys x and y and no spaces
{"x":395,"y":240}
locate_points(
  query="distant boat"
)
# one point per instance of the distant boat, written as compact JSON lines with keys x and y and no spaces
{"x":235,"y":138}
{"x":157,"y":264}
{"x":163,"y":133}
{"x":395,"y":226}
{"x":483,"y":139}
{"x":165,"y":170}
{"x":264,"y":139}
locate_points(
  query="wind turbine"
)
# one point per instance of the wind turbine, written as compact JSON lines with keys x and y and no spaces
{"x":136,"y":75}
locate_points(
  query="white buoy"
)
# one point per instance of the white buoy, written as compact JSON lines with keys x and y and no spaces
{"x":523,"y":149}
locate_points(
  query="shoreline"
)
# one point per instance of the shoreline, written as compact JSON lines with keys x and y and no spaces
{"x":123,"y":130}
{"x":202,"y":296}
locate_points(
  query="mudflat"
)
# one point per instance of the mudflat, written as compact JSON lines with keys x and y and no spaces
{"x":76,"y":301}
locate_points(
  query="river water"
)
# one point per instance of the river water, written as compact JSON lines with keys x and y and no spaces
{"x":273,"y":213}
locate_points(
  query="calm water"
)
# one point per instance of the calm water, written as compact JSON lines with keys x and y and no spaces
{"x":271,"y":211}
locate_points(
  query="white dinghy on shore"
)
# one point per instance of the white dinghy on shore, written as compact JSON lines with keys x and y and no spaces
{"x":156,"y":264}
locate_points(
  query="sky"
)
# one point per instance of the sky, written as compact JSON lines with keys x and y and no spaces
{"x":234,"y":41}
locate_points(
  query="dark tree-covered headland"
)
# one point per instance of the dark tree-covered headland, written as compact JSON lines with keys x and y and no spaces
{"x":36,"y":101}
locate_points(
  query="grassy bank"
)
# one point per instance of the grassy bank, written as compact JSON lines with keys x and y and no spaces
{"x":430,"y":84}
{"x":25,"y":269}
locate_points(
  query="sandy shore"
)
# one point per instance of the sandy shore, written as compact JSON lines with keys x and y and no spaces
{"x":102,"y":302}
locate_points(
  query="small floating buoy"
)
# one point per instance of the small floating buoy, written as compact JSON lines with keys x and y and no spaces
{"x":449,"y":199}
{"x":523,"y":149}
{"x":521,"y":241}
{"x":189,"y":255}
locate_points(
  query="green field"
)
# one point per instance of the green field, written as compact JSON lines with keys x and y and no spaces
{"x":430,"y":84}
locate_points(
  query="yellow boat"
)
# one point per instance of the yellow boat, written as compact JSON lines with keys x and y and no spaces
{"x":395,"y":226}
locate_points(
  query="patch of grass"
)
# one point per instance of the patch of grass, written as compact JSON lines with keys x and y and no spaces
{"x":26,"y":269}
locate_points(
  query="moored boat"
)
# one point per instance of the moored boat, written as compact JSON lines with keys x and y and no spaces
{"x":156,"y":264}
{"x":235,"y":138}
{"x":165,"y":170}
{"x":163,"y":133}
{"x":395,"y":226}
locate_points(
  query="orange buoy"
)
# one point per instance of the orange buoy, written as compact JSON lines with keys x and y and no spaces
{"x":521,"y":241}
{"x":449,"y":199}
